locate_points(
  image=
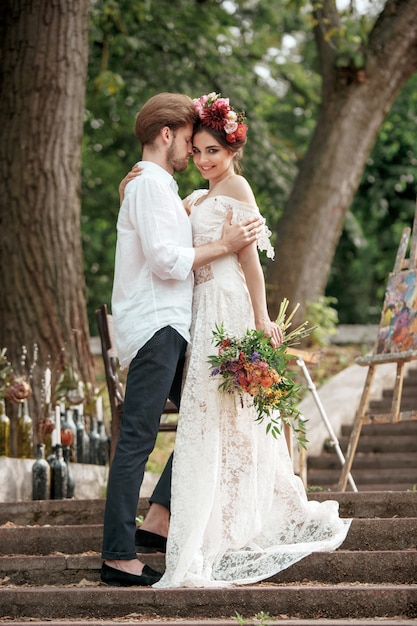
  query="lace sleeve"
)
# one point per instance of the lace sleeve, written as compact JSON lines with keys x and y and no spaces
{"x":193,"y":197}
{"x":242,"y":212}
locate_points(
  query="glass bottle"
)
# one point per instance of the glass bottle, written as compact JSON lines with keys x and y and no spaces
{"x":83,"y":440}
{"x":69,"y":434}
{"x":58,"y":475}
{"x":41,"y":475}
{"x":70,"y":487}
{"x":24,"y":432}
{"x":46,"y":428}
{"x":93,"y":435}
{"x":102,"y":444}
{"x":4,"y":431}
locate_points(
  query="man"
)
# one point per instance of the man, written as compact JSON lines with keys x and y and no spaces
{"x":151,"y":306}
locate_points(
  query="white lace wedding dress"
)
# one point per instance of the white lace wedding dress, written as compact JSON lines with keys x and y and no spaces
{"x":239,"y":514}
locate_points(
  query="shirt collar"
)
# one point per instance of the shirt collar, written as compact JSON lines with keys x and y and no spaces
{"x":150,"y":165}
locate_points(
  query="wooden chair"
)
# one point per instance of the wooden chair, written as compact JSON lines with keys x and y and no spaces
{"x":114,"y":386}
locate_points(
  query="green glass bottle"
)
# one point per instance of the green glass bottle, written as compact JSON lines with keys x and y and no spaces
{"x":4,"y":431}
{"x":24,"y":432}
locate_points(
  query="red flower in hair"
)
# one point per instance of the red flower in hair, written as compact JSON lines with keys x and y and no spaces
{"x":215,"y":115}
{"x":216,"y":112}
{"x":238,"y":135}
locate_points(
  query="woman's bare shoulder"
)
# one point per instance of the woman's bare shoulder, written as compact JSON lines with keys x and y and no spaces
{"x":238,"y":187}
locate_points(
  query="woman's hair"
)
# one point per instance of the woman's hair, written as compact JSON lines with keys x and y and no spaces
{"x":220,"y":136}
{"x":165,"y":109}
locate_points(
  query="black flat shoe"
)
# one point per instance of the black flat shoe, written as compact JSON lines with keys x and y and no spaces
{"x":147,"y":542}
{"x":117,"y":578}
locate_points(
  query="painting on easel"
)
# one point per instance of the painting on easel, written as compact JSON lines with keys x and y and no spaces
{"x":398,"y":327}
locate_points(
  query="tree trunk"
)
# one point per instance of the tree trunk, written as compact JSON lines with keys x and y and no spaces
{"x":354,"y":105}
{"x":44,"y":52}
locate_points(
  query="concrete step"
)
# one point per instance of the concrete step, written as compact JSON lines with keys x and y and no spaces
{"x":300,"y":601}
{"x":366,"y":460}
{"x":366,"y":476}
{"x":369,"y":504}
{"x":385,"y":405}
{"x":404,"y":427}
{"x":383,"y":443}
{"x":365,"y":487}
{"x":73,"y":512}
{"x":256,"y":620}
{"x":341,"y":566}
{"x":364,"y":534}
{"x":58,"y":512}
{"x":370,"y":580}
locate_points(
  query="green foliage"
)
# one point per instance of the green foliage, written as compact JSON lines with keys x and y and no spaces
{"x":324,"y":318}
{"x":137,"y":49}
{"x":382,"y":208}
{"x":263,"y":56}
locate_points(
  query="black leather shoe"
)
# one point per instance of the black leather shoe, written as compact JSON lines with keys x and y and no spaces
{"x":117,"y":578}
{"x":147,"y":542}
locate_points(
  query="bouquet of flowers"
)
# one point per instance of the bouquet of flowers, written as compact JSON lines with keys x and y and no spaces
{"x":250,"y":365}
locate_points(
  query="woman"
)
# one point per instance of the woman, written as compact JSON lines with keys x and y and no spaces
{"x":239,"y":514}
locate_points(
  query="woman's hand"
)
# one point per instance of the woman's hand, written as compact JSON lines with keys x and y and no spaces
{"x":135,"y":171}
{"x":271,"y":329}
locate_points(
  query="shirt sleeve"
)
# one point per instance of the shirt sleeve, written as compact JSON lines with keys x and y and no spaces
{"x":163,"y":228}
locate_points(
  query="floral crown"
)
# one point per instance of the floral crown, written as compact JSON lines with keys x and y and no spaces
{"x":216,"y":112}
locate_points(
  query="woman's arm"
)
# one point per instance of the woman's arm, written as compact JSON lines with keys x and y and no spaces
{"x":135,"y":171}
{"x":252,"y":269}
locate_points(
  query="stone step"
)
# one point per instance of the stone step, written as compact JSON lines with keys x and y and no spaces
{"x":256,"y":620}
{"x":364,"y":534}
{"x":369,"y":504}
{"x":366,"y":476}
{"x":392,"y":429}
{"x":385,"y":405}
{"x":73,"y":512}
{"x":341,"y":566}
{"x":382,"y":443}
{"x":363,"y":488}
{"x":365,"y":460}
{"x":58,"y":512}
{"x":301,"y":601}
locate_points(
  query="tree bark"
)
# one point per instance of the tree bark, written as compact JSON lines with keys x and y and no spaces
{"x":355,"y":102}
{"x":44,"y":52}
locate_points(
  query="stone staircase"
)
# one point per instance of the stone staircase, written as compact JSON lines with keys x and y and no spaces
{"x":50,"y":562}
{"x":386,"y":459}
{"x":408,"y":395}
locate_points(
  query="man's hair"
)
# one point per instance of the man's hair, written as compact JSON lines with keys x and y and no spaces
{"x":165,"y":109}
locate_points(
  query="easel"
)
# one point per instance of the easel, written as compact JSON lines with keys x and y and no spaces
{"x":301,"y":357}
{"x":396,"y":343}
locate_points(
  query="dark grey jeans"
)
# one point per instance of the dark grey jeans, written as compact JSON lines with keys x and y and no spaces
{"x":154,"y":375}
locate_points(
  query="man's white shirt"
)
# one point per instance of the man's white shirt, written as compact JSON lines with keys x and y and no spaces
{"x":153,"y":278}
